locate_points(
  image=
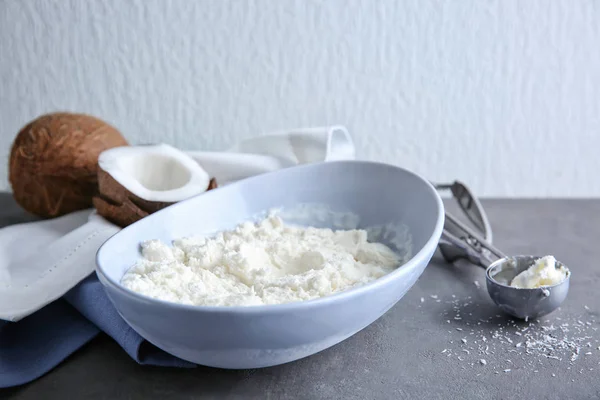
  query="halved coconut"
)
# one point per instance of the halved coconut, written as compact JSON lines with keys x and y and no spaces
{"x":135,"y":181}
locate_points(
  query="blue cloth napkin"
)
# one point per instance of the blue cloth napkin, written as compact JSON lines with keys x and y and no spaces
{"x":36,"y":344}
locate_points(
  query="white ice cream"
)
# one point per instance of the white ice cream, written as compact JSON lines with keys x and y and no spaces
{"x":543,"y":272}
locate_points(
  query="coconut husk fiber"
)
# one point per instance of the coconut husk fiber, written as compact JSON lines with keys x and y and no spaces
{"x":53,"y":167}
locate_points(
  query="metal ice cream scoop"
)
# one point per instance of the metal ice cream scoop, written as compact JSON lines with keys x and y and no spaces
{"x":461,"y":242}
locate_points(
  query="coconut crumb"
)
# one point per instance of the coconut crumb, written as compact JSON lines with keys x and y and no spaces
{"x":559,"y":341}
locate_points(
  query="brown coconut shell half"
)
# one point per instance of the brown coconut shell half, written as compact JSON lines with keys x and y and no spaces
{"x":53,"y":165}
{"x":122,"y":214}
{"x":122,"y":206}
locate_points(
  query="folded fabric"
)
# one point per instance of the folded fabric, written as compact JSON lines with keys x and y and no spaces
{"x":62,"y":312}
{"x":275,"y":151}
{"x":39,"y":342}
{"x":42,"y":260}
{"x":36,"y":344}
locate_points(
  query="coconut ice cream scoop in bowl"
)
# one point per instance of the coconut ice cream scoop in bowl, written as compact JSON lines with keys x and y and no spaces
{"x":523,"y":286}
{"x":380,"y":197}
{"x":528,"y":286}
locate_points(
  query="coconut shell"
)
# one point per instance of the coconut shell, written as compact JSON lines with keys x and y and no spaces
{"x":53,"y":164}
{"x":122,"y":214}
{"x":122,"y":207}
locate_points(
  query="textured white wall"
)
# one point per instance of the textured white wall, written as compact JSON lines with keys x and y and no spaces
{"x":504,"y":95}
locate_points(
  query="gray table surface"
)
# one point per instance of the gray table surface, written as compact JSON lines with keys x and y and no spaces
{"x":402,"y":354}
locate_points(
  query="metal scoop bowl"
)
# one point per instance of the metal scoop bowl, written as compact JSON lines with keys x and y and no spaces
{"x":519,"y":302}
{"x":459,"y":241}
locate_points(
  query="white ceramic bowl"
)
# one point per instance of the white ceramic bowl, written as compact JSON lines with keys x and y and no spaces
{"x":261,"y":336}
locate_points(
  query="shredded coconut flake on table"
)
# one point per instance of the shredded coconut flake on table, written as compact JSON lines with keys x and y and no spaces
{"x":550,"y":341}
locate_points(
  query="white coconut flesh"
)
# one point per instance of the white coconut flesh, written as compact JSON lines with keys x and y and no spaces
{"x":158,"y":173}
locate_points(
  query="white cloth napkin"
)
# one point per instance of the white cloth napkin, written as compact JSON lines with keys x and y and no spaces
{"x":41,"y":261}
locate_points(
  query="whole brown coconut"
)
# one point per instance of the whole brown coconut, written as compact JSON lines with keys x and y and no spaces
{"x":54,"y":162}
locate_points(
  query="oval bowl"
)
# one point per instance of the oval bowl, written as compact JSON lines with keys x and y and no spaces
{"x":261,"y":336}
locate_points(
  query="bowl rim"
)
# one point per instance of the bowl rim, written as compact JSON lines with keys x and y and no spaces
{"x":420,"y":256}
